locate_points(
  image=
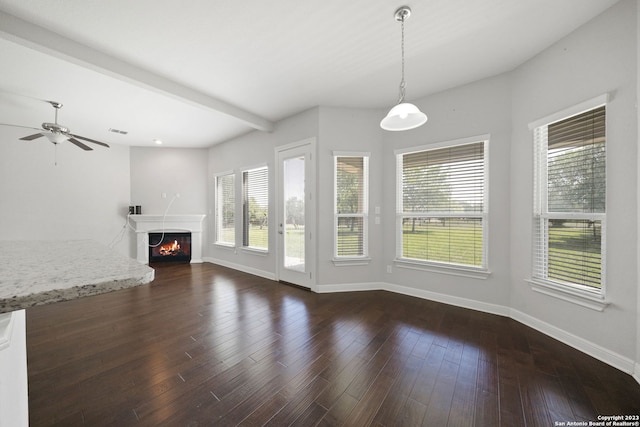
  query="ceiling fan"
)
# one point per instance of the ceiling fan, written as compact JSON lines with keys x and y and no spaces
{"x":57,"y":133}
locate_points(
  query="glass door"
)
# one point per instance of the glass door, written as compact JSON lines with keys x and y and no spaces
{"x":295,"y":214}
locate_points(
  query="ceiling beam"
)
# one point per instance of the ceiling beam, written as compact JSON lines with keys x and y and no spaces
{"x":33,"y":36}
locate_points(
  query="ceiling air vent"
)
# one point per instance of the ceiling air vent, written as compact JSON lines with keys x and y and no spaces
{"x":123,"y":132}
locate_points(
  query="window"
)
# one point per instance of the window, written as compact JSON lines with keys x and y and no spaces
{"x":255,"y":208}
{"x":225,"y":210}
{"x":351,"y":205}
{"x":442,"y":206}
{"x":570,"y":201}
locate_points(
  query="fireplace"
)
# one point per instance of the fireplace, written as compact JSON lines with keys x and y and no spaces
{"x":146,"y":224}
{"x":169,"y":247}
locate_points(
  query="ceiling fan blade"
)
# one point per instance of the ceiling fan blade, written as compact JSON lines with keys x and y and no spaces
{"x":80,"y":144}
{"x":90,"y":140}
{"x":31,"y":137}
{"x":18,"y":126}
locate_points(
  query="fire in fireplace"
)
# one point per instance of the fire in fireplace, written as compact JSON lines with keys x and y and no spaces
{"x":169,"y":247}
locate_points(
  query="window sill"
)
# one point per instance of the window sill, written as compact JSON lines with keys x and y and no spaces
{"x":346,"y":262}
{"x":224,"y":245}
{"x":255,"y":251}
{"x":591,"y":300}
{"x":455,"y":270}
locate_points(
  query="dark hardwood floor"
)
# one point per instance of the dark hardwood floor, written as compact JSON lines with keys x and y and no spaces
{"x":204,"y":345}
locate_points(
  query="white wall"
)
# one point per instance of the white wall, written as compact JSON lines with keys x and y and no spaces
{"x":84,"y":196}
{"x":156,"y":171}
{"x":597,"y":58}
{"x":472,"y":110}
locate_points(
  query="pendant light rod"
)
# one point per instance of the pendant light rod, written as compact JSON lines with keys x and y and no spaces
{"x":401,"y":15}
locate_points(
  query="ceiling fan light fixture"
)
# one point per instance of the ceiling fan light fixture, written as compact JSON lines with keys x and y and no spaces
{"x":55,"y":138}
{"x":403,"y":116}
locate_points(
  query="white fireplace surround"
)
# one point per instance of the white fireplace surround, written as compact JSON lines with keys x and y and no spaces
{"x":145,"y":224}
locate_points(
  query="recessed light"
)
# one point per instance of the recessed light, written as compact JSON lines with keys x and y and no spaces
{"x":157,"y":141}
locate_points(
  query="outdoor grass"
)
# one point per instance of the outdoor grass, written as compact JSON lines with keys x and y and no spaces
{"x":457,"y":242}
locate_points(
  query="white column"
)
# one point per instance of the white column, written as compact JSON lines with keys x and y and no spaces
{"x":142,"y":248}
{"x":196,"y":247}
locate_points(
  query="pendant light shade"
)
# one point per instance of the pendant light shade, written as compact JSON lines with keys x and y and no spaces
{"x":403,"y":116}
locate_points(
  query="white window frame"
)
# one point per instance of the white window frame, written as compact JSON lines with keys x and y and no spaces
{"x":247,"y":248}
{"x":476,"y":272}
{"x":363,"y":259}
{"x":218,"y":211}
{"x":585,"y":296}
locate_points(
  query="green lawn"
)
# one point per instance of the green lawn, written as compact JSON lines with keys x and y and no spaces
{"x":450,"y":240}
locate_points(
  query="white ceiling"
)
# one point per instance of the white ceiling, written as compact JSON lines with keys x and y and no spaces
{"x":195,"y":73}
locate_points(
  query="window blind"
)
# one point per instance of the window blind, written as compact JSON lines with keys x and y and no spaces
{"x":351,"y":205}
{"x":443,"y":210}
{"x":444,"y":180}
{"x":255,"y":183}
{"x":225,"y":209}
{"x":571,"y":200}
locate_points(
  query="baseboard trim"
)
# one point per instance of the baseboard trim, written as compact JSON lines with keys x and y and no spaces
{"x":418,"y":293}
{"x":243,"y":268}
{"x":607,"y":356}
{"x":636,"y":373}
{"x":449,"y":299}
{"x":351,"y":287}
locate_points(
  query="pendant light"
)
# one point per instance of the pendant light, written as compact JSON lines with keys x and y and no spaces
{"x":403,"y":116}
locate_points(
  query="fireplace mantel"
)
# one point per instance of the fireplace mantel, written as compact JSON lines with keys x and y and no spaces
{"x":145,"y":224}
